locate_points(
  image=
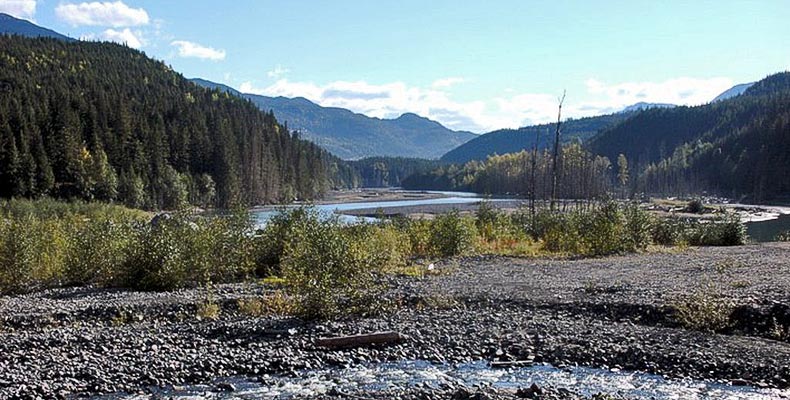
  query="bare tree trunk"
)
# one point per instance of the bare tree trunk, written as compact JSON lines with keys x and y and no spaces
{"x":556,"y":154}
{"x":532,"y":180}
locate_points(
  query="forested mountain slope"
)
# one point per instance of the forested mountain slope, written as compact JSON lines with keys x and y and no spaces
{"x":748,"y":163}
{"x":506,"y":141}
{"x":652,"y":135}
{"x":353,"y":136}
{"x":102,"y":121}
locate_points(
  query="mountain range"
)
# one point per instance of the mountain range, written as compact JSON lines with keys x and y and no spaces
{"x":505,"y":141}
{"x":10,"y":25}
{"x":353,"y":136}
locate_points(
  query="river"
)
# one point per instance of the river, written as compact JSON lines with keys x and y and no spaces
{"x":761,"y":226}
{"x":389,"y":376}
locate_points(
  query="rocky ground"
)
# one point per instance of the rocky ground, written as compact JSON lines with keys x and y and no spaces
{"x":611,"y":313}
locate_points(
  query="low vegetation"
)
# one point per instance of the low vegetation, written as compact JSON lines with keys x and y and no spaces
{"x":323,"y":267}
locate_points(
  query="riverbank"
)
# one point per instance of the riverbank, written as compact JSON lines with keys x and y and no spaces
{"x":610,"y":313}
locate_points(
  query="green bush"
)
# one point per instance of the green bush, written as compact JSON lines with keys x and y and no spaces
{"x":704,"y":310}
{"x":638,"y":229}
{"x":695,"y":206}
{"x":419,"y":234}
{"x":328,"y":271}
{"x":96,"y":251}
{"x":272,"y":239}
{"x":724,"y":230}
{"x":602,"y":230}
{"x":452,"y":234}
{"x":389,"y":246}
{"x":32,"y":253}
{"x":668,"y":231}
{"x":558,"y":231}
{"x":185,"y":251}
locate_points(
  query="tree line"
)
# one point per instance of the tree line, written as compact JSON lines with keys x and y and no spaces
{"x":580,"y":175}
{"x":103,"y":121}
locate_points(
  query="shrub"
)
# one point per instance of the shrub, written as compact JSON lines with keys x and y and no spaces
{"x":695,"y":206}
{"x":32,"y":253}
{"x":704,"y":310}
{"x":388,"y":246}
{"x":559,"y":232}
{"x":783,"y":236}
{"x":452,"y":235}
{"x":184,"y":251}
{"x":724,"y":230}
{"x":277,"y":303}
{"x":155,"y":258}
{"x":638,"y":228}
{"x":668,"y":231}
{"x":278,"y":230}
{"x":208,"y":310}
{"x":327,"y":271}
{"x":419,"y":233}
{"x":602,"y":230}
{"x":96,"y":251}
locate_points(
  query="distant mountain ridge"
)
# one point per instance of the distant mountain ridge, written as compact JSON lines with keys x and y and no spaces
{"x":354,"y":136}
{"x":10,"y":25}
{"x":641,"y":106}
{"x":734,"y":91}
{"x":505,"y":141}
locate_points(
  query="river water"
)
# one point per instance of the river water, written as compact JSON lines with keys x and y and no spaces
{"x":379,"y":377}
{"x":761,"y":227}
{"x":328,"y":210}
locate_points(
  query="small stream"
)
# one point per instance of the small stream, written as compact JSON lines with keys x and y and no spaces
{"x":378,"y":377}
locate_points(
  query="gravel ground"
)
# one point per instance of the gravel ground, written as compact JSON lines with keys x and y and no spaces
{"x":604,"y":313}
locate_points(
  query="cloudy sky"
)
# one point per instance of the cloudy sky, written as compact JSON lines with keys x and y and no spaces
{"x":473,"y":65}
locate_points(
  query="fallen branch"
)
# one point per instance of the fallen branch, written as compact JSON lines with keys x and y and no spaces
{"x":360,"y":340}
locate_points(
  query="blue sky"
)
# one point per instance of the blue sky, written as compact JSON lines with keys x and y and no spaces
{"x":475,"y":65}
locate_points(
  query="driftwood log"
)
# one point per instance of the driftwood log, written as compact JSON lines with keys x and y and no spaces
{"x":345,"y":342}
{"x":510,"y":364}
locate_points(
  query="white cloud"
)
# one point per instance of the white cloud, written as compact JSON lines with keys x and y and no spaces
{"x":194,"y":50}
{"x":126,"y":36}
{"x":25,"y":9}
{"x":278,"y":72}
{"x":685,"y":91}
{"x":511,"y":110}
{"x":447,"y":82}
{"x":115,"y":14}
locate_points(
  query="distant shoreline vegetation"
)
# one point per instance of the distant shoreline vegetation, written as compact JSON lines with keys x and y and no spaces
{"x":48,"y":243}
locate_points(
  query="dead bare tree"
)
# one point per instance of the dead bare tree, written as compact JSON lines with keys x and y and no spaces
{"x":556,"y":153}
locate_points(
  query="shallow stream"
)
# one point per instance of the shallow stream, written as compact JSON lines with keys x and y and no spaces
{"x":377,"y":377}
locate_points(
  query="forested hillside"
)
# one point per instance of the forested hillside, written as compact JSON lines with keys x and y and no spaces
{"x":737,"y":147}
{"x":748,"y":163}
{"x":514,"y":140}
{"x":653,"y":135}
{"x":102,"y":121}
{"x":391,"y":171}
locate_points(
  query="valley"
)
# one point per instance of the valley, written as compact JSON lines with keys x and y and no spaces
{"x":389,"y":200}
